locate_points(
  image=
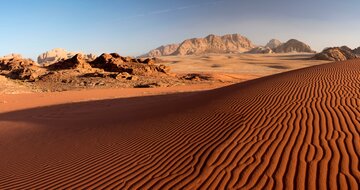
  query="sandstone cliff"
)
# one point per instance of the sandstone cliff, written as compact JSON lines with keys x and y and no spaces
{"x":231,"y":43}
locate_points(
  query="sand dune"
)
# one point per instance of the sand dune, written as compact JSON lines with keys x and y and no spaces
{"x":296,"y":130}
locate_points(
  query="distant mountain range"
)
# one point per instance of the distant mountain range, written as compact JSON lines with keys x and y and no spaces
{"x":275,"y":46}
{"x":230,"y":43}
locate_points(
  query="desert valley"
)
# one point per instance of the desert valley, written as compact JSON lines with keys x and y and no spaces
{"x":210,"y":113}
{"x":206,"y":94}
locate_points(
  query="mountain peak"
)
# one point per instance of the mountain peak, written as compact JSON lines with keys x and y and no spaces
{"x":230,"y":43}
{"x":293,"y":45}
{"x":273,"y":43}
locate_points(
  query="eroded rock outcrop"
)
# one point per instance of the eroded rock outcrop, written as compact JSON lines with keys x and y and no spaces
{"x":76,"y":62}
{"x":16,"y":67}
{"x":116,"y":63}
{"x":336,"y":54}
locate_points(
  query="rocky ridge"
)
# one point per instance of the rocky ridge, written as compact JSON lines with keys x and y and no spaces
{"x":110,"y":70}
{"x":162,"y":51}
{"x":230,"y":43}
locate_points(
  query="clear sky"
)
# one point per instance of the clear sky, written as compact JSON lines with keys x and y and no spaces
{"x":133,"y":27}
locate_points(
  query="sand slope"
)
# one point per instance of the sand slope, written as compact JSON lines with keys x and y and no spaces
{"x":296,"y":130}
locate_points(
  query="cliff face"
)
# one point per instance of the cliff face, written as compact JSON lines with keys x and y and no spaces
{"x":232,"y":43}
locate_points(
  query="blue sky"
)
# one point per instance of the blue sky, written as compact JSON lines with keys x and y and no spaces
{"x":133,"y":27}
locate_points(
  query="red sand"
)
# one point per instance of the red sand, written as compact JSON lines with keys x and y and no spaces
{"x":13,"y":102}
{"x":296,"y":130}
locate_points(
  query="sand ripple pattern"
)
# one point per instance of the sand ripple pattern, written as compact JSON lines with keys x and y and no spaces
{"x":296,"y":130}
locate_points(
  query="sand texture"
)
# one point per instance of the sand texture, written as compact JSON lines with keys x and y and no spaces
{"x":295,"y":130}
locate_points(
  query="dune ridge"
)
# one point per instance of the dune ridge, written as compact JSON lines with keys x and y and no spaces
{"x":295,"y":130}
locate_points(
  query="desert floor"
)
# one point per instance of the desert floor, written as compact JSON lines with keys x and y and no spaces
{"x":294,"y":130}
{"x":240,"y":66}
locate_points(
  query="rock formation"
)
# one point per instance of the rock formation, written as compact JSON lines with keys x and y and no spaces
{"x":274,"y":43}
{"x":162,"y":51}
{"x":116,"y":63}
{"x":260,"y":50}
{"x":76,"y":62}
{"x":357,"y":51}
{"x":293,"y":46}
{"x":16,"y":67}
{"x":58,"y":54}
{"x":336,"y":54}
{"x":232,"y":43}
